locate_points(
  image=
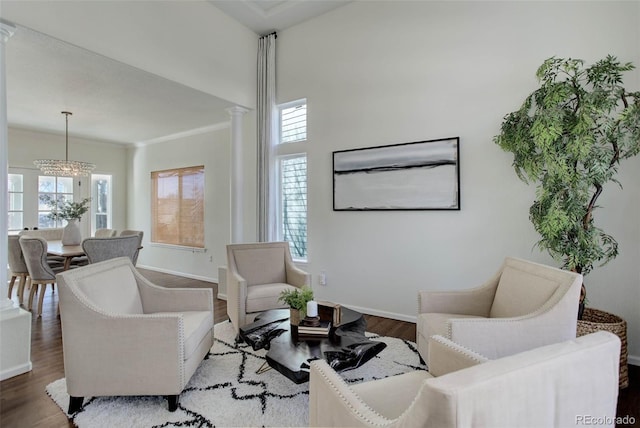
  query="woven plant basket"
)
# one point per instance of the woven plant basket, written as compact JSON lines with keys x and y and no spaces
{"x":294,"y":316}
{"x":596,"y":320}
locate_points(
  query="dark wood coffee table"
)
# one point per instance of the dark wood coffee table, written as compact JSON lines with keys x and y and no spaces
{"x":347,"y":347}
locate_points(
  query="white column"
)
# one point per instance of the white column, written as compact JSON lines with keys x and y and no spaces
{"x":15,"y":322}
{"x":237,"y":174}
{"x":6,"y":31}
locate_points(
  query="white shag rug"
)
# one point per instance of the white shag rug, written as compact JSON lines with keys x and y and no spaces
{"x":225,"y":391}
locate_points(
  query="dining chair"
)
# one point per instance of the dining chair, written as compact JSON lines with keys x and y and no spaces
{"x":34,"y":249}
{"x":17,"y":267}
{"x":106,"y":233}
{"x":101,"y":249}
{"x":50,"y":234}
{"x":140,"y":235}
{"x":100,"y":233}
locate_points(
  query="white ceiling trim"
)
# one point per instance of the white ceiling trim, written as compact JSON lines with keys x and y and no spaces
{"x":266,"y":12}
{"x":185,"y":134}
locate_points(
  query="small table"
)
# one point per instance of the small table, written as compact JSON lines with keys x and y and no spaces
{"x":67,"y":251}
{"x":347,"y":347}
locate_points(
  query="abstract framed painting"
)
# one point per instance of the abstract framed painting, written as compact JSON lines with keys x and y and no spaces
{"x":423,"y":175}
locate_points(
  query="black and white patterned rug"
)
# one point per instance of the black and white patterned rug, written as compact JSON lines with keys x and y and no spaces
{"x":226,"y":391}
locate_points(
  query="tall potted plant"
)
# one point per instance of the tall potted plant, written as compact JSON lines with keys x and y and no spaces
{"x":569,"y":137}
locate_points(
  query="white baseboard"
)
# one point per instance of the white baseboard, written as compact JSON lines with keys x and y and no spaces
{"x":383,"y":314}
{"x":15,"y":371}
{"x":633,"y":360}
{"x":183,"y":274}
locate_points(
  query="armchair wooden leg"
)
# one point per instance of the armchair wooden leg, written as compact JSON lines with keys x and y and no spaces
{"x":75,"y":403}
{"x":173,"y":402}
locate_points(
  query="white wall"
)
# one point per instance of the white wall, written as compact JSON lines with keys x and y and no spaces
{"x":25,"y":146}
{"x":385,"y":72}
{"x":212,"y":150}
{"x":190,"y":42}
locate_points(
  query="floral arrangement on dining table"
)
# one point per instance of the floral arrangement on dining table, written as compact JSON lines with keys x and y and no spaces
{"x":62,"y":209}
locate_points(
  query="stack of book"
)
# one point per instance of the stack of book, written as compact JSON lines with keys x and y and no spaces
{"x":319,"y":331}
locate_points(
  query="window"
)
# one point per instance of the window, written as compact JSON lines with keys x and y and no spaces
{"x":293,"y":123}
{"x":293,"y":191}
{"x":177,"y":204}
{"x":58,"y":188}
{"x":16,"y":202}
{"x":100,"y":202}
{"x":25,"y":206}
{"x":291,"y":173}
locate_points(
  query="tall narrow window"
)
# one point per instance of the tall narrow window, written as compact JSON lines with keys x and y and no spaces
{"x":177,"y":203}
{"x":100,"y":202}
{"x":291,"y":173}
{"x":16,"y":202}
{"x":293,"y":122}
{"x":58,"y":188}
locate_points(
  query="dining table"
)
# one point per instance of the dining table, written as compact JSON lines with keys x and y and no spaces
{"x":68,"y":252}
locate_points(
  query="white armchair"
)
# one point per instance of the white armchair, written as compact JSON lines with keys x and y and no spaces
{"x":523,"y":306}
{"x":549,"y":386}
{"x":123,"y":335}
{"x":256,"y":275}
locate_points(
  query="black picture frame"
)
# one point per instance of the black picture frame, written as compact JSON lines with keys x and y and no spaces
{"x":421,"y":175}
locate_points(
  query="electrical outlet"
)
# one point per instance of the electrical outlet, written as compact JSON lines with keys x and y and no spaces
{"x":322,"y":278}
{"x":210,"y":259}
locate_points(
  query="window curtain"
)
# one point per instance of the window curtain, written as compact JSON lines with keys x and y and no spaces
{"x":267,"y":127}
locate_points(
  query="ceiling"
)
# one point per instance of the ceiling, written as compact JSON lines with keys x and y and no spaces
{"x":115,"y":102}
{"x":110,"y":101}
{"x":267,"y":16}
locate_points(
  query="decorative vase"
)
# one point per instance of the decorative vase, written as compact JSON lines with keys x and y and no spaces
{"x":71,"y":233}
{"x":294,"y":316}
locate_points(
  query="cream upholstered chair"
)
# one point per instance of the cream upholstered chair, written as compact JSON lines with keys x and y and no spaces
{"x":17,"y":267}
{"x":123,"y":335}
{"x":256,"y":275}
{"x":101,"y":249}
{"x":34,"y":249}
{"x":549,"y":386}
{"x":105,"y":233}
{"x":523,"y":306}
{"x":140,"y":235}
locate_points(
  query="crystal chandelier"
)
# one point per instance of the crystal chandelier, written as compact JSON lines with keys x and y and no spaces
{"x":65,"y":168}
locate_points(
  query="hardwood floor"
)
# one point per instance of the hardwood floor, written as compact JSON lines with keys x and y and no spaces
{"x":24,"y":402}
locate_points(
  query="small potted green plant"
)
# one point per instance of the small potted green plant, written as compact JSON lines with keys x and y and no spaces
{"x":70,"y":211}
{"x":297,"y":300}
